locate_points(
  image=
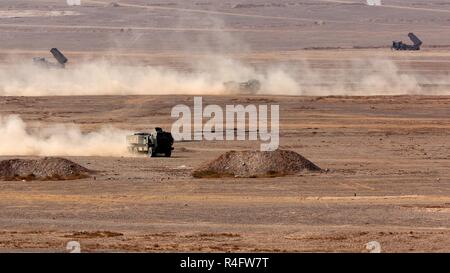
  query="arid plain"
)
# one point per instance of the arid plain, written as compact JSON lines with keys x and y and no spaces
{"x":376,"y":120}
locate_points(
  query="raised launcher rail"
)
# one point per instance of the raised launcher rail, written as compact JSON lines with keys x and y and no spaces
{"x":62,"y":60}
{"x":399,"y":45}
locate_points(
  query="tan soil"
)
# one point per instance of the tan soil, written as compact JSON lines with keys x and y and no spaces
{"x":255,"y":164}
{"x":48,"y":168}
{"x":389,"y":156}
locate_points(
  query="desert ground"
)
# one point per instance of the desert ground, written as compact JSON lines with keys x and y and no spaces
{"x":385,"y":149}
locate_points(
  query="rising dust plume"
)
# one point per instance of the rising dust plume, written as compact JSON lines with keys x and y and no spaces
{"x":360,"y":77}
{"x":18,"y":138}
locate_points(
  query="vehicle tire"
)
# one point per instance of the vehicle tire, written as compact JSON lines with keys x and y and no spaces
{"x":168,"y":153}
{"x":151,"y":153}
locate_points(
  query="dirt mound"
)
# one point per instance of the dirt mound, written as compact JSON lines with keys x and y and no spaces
{"x":48,"y":168}
{"x":255,"y":164}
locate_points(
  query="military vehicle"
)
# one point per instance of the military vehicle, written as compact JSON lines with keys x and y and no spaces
{"x":248,"y":87}
{"x":399,"y":45}
{"x":62,"y":60}
{"x":153,"y":144}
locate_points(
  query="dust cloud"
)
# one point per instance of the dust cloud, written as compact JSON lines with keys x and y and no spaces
{"x":18,"y":138}
{"x":104,"y":78}
{"x":206,"y":77}
{"x":358,"y":77}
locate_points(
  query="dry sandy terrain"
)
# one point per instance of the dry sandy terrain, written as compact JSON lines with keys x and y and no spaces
{"x":387,"y":157}
{"x":200,"y":25}
{"x":388,"y":181}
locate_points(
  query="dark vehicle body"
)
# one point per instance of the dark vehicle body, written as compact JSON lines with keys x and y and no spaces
{"x":399,"y":45}
{"x":62,"y":60}
{"x":152,"y":144}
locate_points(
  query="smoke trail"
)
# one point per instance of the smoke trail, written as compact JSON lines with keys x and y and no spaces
{"x":16,"y":138}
